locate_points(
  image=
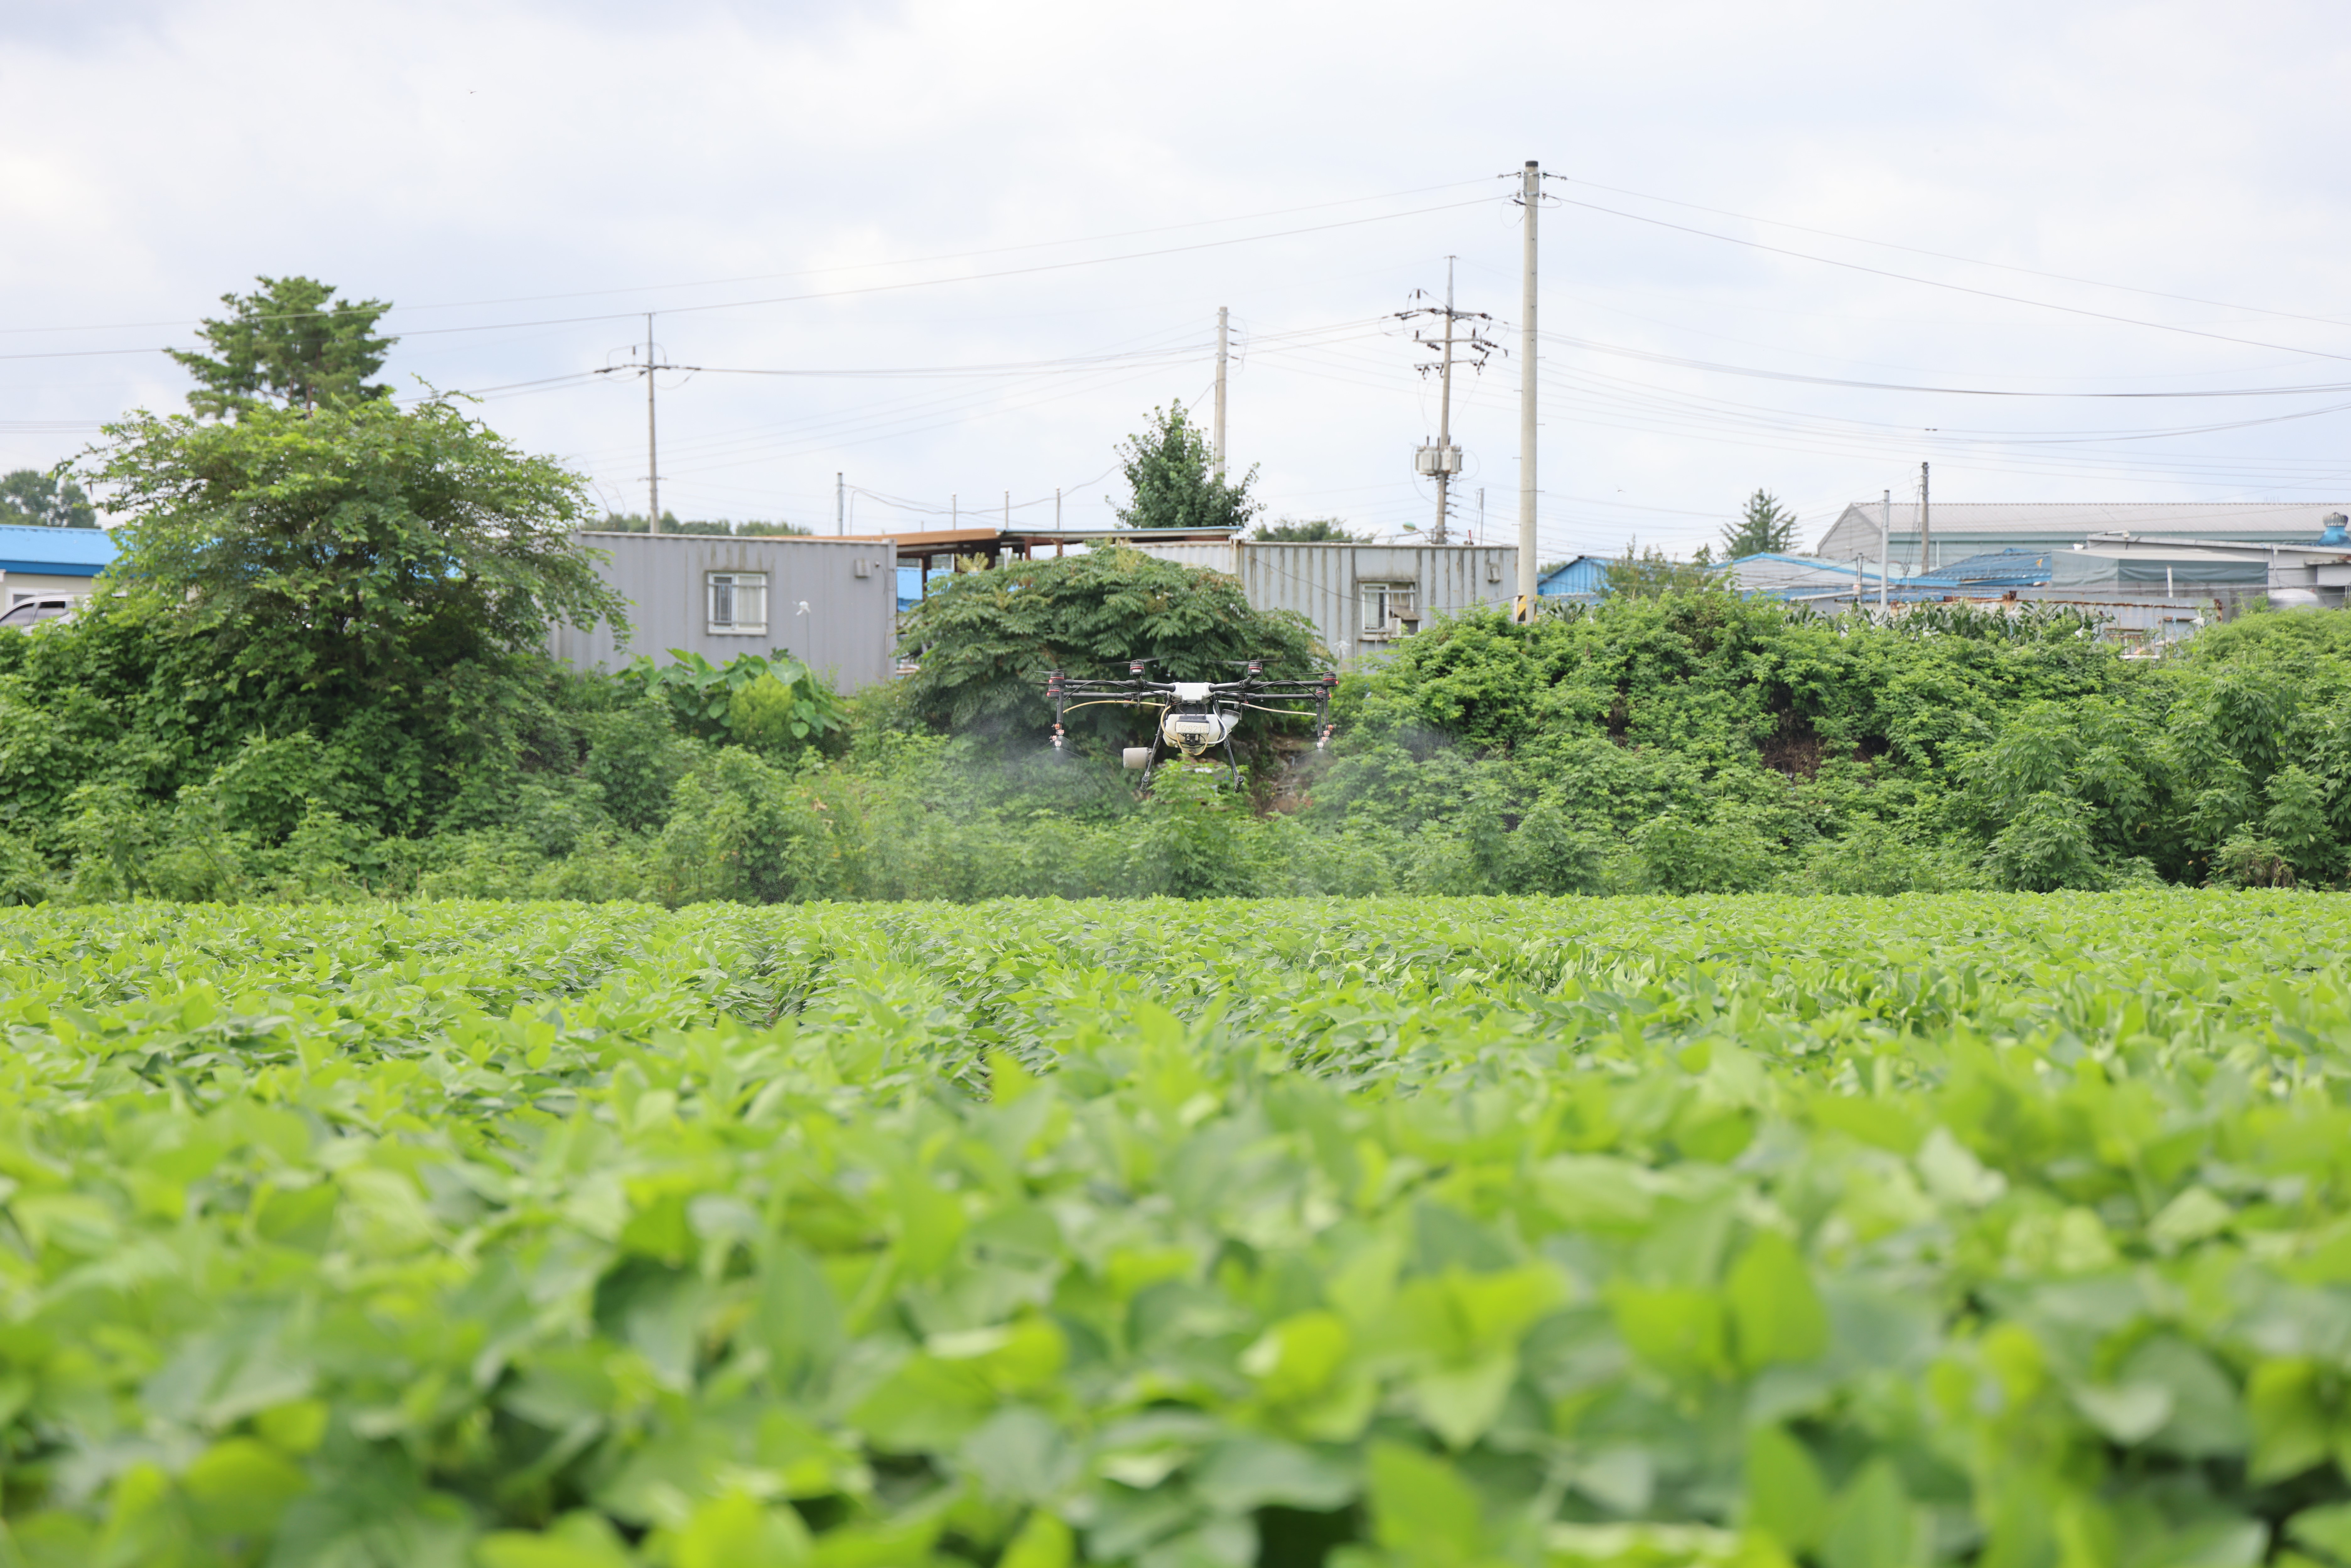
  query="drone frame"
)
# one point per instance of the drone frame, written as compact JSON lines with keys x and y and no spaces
{"x":1248,"y":694}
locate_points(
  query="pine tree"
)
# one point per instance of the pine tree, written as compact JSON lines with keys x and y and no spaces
{"x":291,"y":343}
{"x":1764,"y":528}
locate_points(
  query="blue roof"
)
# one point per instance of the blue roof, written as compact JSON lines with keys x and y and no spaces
{"x":1994,"y":569}
{"x":55,"y":552}
{"x":1584,"y":574}
{"x":1810,"y":563}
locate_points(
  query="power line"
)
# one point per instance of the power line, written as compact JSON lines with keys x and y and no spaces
{"x":802,"y":272}
{"x":2308,"y":390}
{"x":1954,"y":287}
{"x":852,"y":293}
{"x":1964,"y":260}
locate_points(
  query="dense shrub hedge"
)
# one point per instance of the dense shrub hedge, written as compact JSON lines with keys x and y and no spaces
{"x":1693,"y":742}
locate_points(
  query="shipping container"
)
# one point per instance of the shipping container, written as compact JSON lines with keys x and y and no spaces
{"x":831,"y":603}
{"x":1361,"y":598}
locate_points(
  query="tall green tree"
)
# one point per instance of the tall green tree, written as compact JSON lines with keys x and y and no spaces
{"x":1764,"y":528}
{"x":361,"y":546}
{"x":28,"y":496}
{"x":1172,"y":479}
{"x":291,"y":343}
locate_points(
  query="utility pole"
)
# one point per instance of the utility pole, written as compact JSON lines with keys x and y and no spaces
{"x":1056,"y":511}
{"x":1222,"y":312}
{"x":839,"y":504}
{"x":1008,"y":511}
{"x":1442,"y":460}
{"x":1926,"y":525}
{"x":1885,"y":548}
{"x":1445,"y":414}
{"x":1529,"y":193}
{"x":652,"y":444}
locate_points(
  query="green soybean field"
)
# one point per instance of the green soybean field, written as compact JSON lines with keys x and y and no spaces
{"x":1857,"y":1233}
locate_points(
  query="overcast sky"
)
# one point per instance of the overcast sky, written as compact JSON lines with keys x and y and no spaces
{"x":1056,"y":198}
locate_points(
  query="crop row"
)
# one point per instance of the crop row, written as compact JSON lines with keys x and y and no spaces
{"x":1856,"y":1232}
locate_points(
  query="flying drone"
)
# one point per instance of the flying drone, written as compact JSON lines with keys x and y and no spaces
{"x":1195,"y":716}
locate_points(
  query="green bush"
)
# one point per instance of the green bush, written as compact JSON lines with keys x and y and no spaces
{"x":24,"y":873}
{"x":1194,"y":839}
{"x":744,"y":831}
{"x":986,"y":640}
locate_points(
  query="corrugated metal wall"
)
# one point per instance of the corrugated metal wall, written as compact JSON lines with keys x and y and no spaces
{"x":1324,"y":582}
{"x":1215,"y":557}
{"x":822,"y":609}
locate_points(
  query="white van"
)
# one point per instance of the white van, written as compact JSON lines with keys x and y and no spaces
{"x":35,"y":608}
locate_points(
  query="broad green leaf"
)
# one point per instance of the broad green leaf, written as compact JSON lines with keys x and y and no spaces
{"x":1680,"y":1332}
{"x":1421,"y":1507}
{"x":1458,"y":1403}
{"x":574,"y":1540}
{"x":928,"y":1405}
{"x":1250,"y":1473}
{"x":1596,"y":1191}
{"x":734,"y":1530}
{"x":2325,"y":1529}
{"x":2129,"y":1413}
{"x":1041,"y":1542}
{"x":1020,"y":1453}
{"x":240,"y":1487}
{"x":2207,"y":1419}
{"x":1786,"y":1497}
{"x":2194,"y":1215}
{"x":1297,"y":1358}
{"x":1775,"y":1312}
{"x":2290,"y":1426}
{"x":1870,"y":1524}
{"x":1953,"y":1174}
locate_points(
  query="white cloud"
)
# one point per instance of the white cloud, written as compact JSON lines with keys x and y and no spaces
{"x":622,"y":157}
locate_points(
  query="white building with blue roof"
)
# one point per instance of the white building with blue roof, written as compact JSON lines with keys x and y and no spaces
{"x":1957,"y":530}
{"x":39,"y":562}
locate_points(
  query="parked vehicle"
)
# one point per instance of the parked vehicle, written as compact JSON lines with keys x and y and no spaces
{"x":26,"y":613}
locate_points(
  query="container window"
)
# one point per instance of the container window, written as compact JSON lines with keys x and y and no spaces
{"x":738,"y":603}
{"x":1391,"y":609}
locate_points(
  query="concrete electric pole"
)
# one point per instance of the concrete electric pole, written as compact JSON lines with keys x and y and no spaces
{"x":1885,"y":548}
{"x":1926,"y":525}
{"x":840,"y":503}
{"x":1217,"y":443}
{"x":1444,"y":413}
{"x":653,"y":442}
{"x":1529,"y":193}
{"x":1441,"y":461}
{"x":652,"y":432}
